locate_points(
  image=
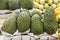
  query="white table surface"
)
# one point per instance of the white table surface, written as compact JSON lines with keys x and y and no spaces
{"x":1,"y":38}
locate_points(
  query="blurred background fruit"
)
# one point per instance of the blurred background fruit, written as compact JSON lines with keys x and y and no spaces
{"x":58,"y":5}
{"x":42,"y":1}
{"x":55,"y":1}
{"x":53,"y":6}
{"x":36,"y":5}
{"x":46,"y":5}
{"x":50,"y":2}
{"x":41,"y":7}
{"x":57,"y":10}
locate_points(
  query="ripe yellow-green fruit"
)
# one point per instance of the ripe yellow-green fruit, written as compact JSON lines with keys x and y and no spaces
{"x":46,"y":5}
{"x":55,"y":1}
{"x":57,"y":10}
{"x":50,"y":2}
{"x":41,"y":7}
{"x":46,"y":0}
{"x":44,"y":10}
{"x":33,"y":0}
{"x":42,"y":1}
{"x":59,"y":1}
{"x":36,"y":5}
{"x":37,"y":0}
{"x":59,"y":35}
{"x":58,"y":5}
{"x":58,"y":32}
{"x":58,"y":25}
{"x":41,"y":11}
{"x":53,"y":6}
{"x":58,"y":18}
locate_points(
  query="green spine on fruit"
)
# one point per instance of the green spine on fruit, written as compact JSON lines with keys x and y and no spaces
{"x":50,"y":23}
{"x":23,"y":21}
{"x":36,"y":24}
{"x":9,"y":25}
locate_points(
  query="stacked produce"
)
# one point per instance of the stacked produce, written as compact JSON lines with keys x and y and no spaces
{"x":55,"y":4}
{"x":43,"y":4}
{"x":9,"y":25}
{"x":25,"y":21}
{"x":57,"y":13}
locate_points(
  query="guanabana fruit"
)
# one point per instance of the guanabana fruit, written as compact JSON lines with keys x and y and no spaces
{"x":36,"y":24}
{"x":50,"y":23}
{"x":9,"y":25}
{"x":26,"y":11}
{"x":13,"y":4}
{"x":23,"y":21}
{"x":3,"y":4}
{"x":27,"y":4}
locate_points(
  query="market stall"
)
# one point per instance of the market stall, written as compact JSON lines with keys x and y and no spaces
{"x":29,"y":19}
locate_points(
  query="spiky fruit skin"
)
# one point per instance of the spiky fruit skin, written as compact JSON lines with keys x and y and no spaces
{"x":23,"y":21}
{"x":26,"y":11}
{"x":3,"y":4}
{"x":36,"y":24}
{"x":50,"y":23}
{"x":9,"y":25}
{"x":27,"y":4}
{"x":13,"y":4}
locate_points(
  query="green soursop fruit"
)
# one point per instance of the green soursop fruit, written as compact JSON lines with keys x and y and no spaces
{"x":13,"y":4}
{"x":36,"y":24}
{"x":26,"y":11}
{"x":9,"y":25}
{"x":50,"y":23}
{"x":23,"y":21}
{"x":3,"y":4}
{"x":27,"y":4}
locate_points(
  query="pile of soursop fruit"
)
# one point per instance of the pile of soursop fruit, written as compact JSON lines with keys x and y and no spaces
{"x":24,"y":21}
